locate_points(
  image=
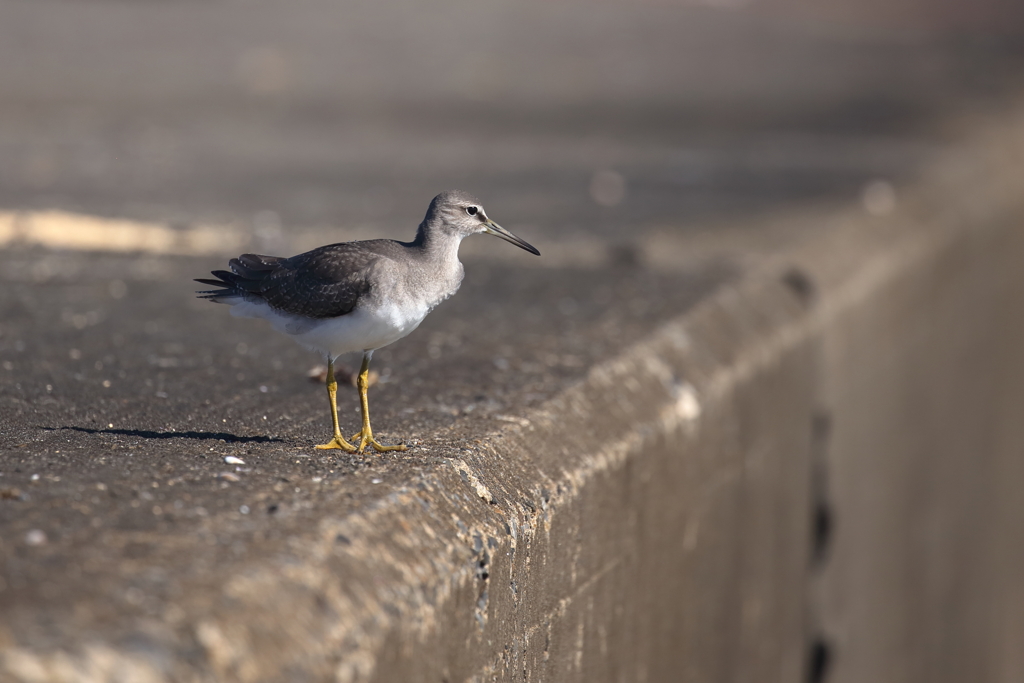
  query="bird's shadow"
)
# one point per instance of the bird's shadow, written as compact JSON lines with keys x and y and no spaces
{"x":151,"y":434}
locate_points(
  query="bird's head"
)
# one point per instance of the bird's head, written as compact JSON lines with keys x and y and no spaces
{"x":461,"y":214}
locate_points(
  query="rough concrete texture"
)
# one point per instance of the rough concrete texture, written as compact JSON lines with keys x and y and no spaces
{"x":488,"y":557}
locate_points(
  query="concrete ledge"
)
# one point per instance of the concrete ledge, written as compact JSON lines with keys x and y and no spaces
{"x":657,"y":520}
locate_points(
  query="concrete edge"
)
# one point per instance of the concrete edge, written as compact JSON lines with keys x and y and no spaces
{"x":409,"y":568}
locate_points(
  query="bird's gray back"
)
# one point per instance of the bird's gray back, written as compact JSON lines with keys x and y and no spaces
{"x":335,"y":279}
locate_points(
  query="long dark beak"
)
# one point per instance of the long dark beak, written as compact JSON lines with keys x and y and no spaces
{"x":492,"y":228}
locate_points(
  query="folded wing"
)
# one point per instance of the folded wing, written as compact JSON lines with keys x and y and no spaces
{"x":324,"y":283}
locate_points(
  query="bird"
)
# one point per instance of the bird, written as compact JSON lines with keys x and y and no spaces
{"x":358,"y":296}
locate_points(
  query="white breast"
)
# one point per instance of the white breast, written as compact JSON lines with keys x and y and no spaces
{"x":361,"y":330}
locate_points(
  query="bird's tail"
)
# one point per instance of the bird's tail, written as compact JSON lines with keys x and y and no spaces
{"x":243,"y":282}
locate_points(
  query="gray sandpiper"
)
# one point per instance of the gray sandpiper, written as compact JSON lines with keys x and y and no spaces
{"x":358,"y":296}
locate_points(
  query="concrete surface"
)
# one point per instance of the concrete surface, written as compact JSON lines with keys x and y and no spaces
{"x":114,"y":448}
{"x":753,"y":409}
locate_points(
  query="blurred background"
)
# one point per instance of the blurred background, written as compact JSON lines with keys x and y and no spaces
{"x":602,"y":120}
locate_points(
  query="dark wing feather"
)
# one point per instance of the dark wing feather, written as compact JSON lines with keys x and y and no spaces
{"x":324,"y":283}
{"x":215,"y":283}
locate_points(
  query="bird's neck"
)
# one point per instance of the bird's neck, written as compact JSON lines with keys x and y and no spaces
{"x":439,"y":251}
{"x":437,"y":244}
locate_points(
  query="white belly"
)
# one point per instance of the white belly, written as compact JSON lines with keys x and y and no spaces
{"x":361,"y":330}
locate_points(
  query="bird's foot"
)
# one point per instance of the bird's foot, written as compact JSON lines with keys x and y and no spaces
{"x":364,"y":439}
{"x":338,"y":442}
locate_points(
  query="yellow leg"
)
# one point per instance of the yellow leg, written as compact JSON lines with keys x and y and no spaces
{"x":365,"y":435}
{"x":338,"y":441}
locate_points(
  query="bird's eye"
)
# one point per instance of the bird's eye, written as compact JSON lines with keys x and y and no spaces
{"x":471,"y":210}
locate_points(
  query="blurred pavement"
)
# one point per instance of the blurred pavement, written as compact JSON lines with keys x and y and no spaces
{"x":315,"y":114}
